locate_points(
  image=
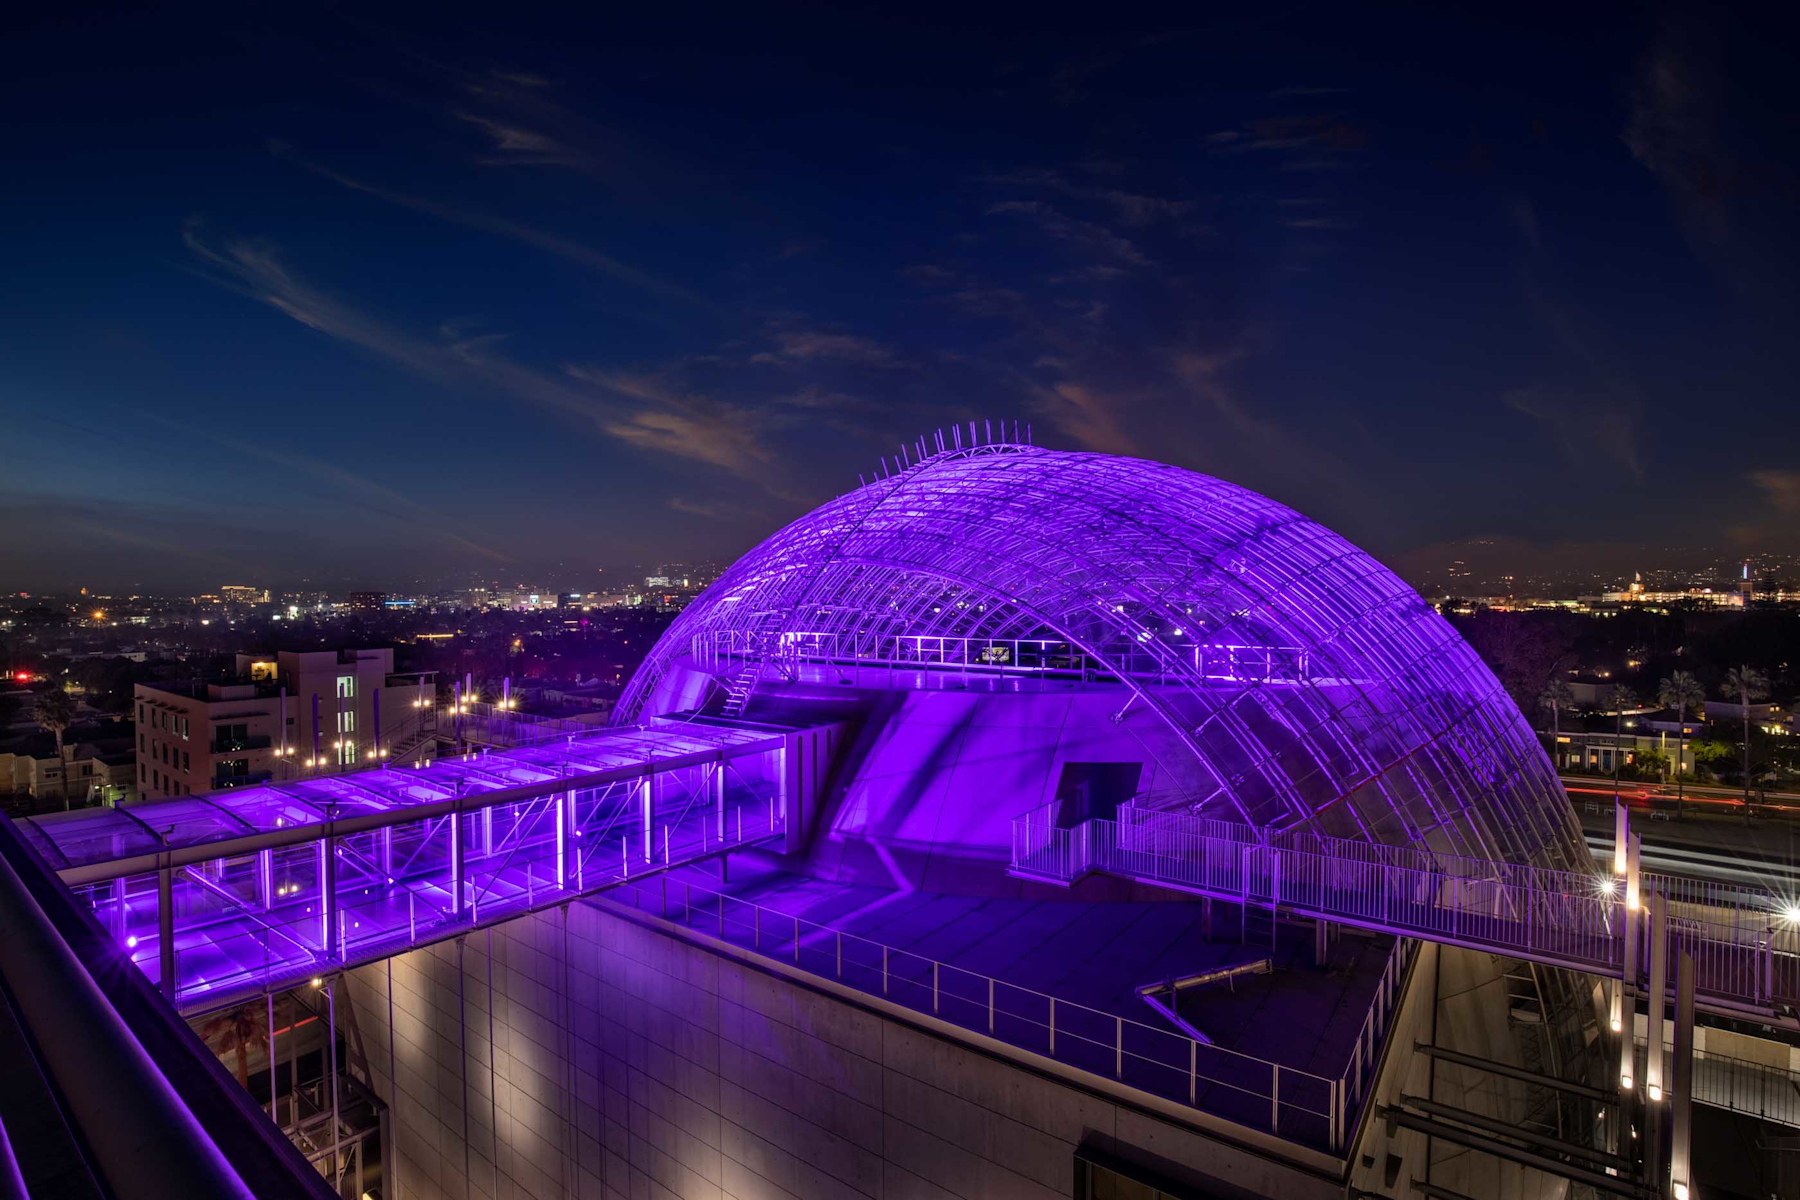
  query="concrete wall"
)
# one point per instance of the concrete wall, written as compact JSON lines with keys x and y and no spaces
{"x":640,"y":1065}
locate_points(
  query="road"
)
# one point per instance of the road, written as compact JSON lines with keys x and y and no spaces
{"x":1711,"y":840}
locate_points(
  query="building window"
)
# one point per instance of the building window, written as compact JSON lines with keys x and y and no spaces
{"x":141,"y":773}
{"x":346,"y":687}
{"x":140,"y":743}
{"x":347,"y":721}
{"x":140,"y":712}
{"x":184,"y":729}
{"x":347,"y":753}
{"x":184,"y":760}
{"x":232,"y":768}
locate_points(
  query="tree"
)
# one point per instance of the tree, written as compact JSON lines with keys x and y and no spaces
{"x":1745,"y":684}
{"x":1680,"y":691}
{"x":56,"y":712}
{"x":1553,"y":699}
{"x":1709,"y":752}
{"x":1622,"y":698}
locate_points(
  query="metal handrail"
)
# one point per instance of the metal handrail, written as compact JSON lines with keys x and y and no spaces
{"x":1061,"y":1022}
{"x":1056,"y":657}
{"x":1746,"y":948}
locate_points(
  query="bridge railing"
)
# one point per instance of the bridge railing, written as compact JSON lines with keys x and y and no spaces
{"x":1253,"y":1091}
{"x":1745,"y":946}
{"x":248,"y":921}
{"x":482,"y":723}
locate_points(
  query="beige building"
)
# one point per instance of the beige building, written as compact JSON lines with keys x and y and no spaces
{"x":289,"y":713}
{"x":95,"y":768}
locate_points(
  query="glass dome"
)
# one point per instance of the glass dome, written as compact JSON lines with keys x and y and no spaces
{"x":1313,"y":688}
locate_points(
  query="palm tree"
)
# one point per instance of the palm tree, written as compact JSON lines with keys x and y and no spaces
{"x":1745,"y":684}
{"x":55,"y":713}
{"x":1622,"y":698}
{"x":1680,"y":691}
{"x":1553,"y":699}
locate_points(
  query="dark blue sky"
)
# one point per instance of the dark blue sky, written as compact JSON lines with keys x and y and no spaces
{"x":307,"y":293}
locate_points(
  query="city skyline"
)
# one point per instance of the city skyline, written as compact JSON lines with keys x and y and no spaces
{"x":349,"y":300}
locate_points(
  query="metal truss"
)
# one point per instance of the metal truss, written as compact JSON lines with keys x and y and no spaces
{"x":1368,"y":718}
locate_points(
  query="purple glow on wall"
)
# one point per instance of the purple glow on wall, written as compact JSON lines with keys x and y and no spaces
{"x":1310,"y":685}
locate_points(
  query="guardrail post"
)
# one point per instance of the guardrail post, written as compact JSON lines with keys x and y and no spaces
{"x":1193,"y":1072}
{"x":1118,"y":1047}
{"x":1053,"y":1027}
{"x":840,"y":954}
{"x":756,"y":926}
{"x":990,"y":1004}
{"x":1767,"y":974}
{"x":796,"y":940}
{"x":1274,"y":1097}
{"x":165,"y":929}
{"x":934,"y":987}
{"x":884,"y":971}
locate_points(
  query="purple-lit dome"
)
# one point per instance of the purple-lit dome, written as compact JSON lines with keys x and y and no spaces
{"x":1299,"y":683}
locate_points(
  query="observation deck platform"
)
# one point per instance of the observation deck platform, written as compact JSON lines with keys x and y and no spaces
{"x":1289,"y":1052}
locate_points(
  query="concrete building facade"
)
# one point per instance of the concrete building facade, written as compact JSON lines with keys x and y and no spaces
{"x":596,"y":1055}
{"x":304,"y":711}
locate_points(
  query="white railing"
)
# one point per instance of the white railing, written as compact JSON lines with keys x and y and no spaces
{"x":1046,"y":657}
{"x":1257,"y":1092}
{"x":1745,"y":949}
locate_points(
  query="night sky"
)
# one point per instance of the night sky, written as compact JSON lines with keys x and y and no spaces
{"x":305,"y":293}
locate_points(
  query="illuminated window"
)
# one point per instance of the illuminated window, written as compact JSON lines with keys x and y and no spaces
{"x":346,"y":687}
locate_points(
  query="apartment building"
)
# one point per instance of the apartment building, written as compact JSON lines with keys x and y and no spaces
{"x":292,"y":712}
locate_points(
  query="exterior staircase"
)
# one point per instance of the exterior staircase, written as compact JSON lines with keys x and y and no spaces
{"x":738,"y":688}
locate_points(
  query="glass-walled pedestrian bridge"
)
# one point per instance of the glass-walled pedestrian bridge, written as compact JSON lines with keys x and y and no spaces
{"x":222,"y":896}
{"x":1745,"y":941}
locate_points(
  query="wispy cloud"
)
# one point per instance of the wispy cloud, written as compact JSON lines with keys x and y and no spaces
{"x":635,"y":410}
{"x":813,"y":345}
{"x":1781,"y":488}
{"x":1093,"y":417}
{"x":670,"y":420}
{"x":1085,"y":234}
{"x":1133,"y":208}
{"x":358,"y":491}
{"x":1585,"y":426}
{"x":550,"y":243}
{"x":518,"y":144}
{"x":724,"y":513}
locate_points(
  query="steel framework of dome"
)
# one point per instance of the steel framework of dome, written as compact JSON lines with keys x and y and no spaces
{"x":1315,"y":689}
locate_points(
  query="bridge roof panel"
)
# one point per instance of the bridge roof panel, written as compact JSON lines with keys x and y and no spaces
{"x":91,"y":836}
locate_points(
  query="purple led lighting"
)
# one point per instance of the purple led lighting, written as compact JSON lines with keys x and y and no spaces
{"x":1310,"y":685}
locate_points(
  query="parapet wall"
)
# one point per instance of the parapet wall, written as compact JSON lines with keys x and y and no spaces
{"x":626,"y":1062}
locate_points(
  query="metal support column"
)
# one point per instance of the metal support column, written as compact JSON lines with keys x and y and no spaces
{"x":1628,"y":967}
{"x":331,"y":1042}
{"x":1659,"y":980}
{"x":458,"y":865}
{"x":328,"y":879}
{"x":649,"y":806}
{"x":719,"y":796}
{"x":1681,"y":1165}
{"x":165,"y":929}
{"x":1621,"y":834}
